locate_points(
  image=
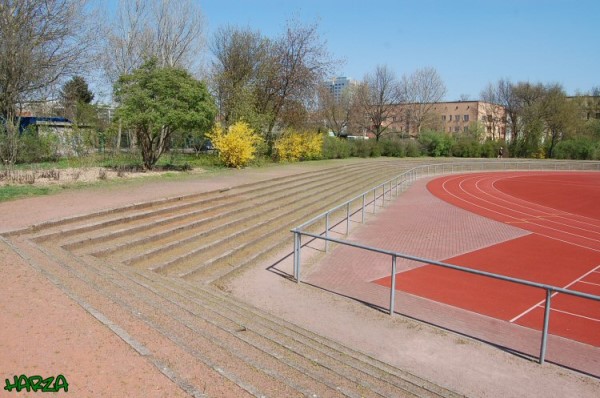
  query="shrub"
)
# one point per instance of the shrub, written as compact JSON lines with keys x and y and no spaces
{"x":581,"y":148}
{"x":293,"y":146}
{"x":394,"y":148}
{"x":413,"y":149}
{"x":436,"y":144}
{"x":237,"y":145}
{"x":34,"y":147}
{"x":367,"y":148}
{"x":336,"y":148}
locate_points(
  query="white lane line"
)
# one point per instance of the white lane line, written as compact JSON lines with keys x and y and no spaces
{"x":553,"y":294}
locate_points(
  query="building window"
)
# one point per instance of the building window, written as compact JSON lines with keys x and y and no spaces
{"x":456,"y":129}
{"x":443,"y":118}
{"x":466,"y":118}
{"x":449,"y":118}
{"x":449,"y":129}
{"x":456,"y":118}
{"x":466,"y":129}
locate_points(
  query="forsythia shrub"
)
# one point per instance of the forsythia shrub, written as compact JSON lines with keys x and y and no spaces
{"x":293,"y":146}
{"x":237,"y":146}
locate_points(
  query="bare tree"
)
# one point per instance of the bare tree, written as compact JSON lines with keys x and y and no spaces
{"x":178,"y":34}
{"x":495,"y":113}
{"x":336,"y":111}
{"x":420,"y":91}
{"x":172,"y":31}
{"x":239,"y":56}
{"x":377,"y":97}
{"x":297,"y":63}
{"x":127,"y":39}
{"x":41,"y":44}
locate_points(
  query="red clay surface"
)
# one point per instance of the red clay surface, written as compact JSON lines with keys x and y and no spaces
{"x":562,"y":212}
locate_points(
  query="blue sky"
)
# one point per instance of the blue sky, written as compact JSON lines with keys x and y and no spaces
{"x":469,"y":43}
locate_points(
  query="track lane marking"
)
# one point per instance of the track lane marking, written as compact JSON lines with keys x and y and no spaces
{"x":539,"y":304}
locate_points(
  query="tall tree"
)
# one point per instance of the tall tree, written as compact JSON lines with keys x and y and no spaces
{"x":75,"y":97}
{"x":239,"y":57}
{"x":376,"y":99}
{"x":269,"y":83}
{"x":420,"y":91}
{"x":336,"y":111}
{"x":495,"y":113}
{"x":157,"y":103}
{"x":41,"y":43}
{"x":560,"y":116}
{"x":296,"y":64}
{"x":172,"y":31}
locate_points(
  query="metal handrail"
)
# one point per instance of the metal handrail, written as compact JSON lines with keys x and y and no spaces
{"x":409,"y":177}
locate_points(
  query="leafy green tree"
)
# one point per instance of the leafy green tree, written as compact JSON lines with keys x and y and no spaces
{"x":157,"y":103}
{"x":75,"y":99}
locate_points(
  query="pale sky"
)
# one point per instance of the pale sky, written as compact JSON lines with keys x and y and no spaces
{"x":469,"y":42}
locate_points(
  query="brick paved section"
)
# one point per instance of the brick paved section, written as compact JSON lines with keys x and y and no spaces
{"x":422,"y":225}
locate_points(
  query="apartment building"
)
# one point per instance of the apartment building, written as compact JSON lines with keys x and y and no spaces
{"x":453,"y":117}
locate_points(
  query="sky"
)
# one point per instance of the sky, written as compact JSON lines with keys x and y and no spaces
{"x":469,"y":43}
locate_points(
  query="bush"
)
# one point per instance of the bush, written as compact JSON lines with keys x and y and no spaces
{"x":413,"y":149}
{"x":393,"y":148}
{"x":578,"y":148}
{"x":237,"y":147}
{"x":436,"y":144}
{"x":489,"y":149}
{"x":336,"y":148}
{"x":34,"y":147}
{"x":366,"y":148}
{"x":293,"y":146}
{"x":466,"y":147}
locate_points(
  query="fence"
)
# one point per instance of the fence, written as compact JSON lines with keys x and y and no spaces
{"x":400,"y":183}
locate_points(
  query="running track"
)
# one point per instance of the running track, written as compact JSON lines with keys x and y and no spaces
{"x":562,"y":212}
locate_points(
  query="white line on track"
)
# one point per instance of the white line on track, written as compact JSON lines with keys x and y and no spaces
{"x":575,"y":315}
{"x":540,"y":304}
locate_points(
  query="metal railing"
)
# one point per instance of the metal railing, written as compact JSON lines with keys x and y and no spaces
{"x":401,"y":182}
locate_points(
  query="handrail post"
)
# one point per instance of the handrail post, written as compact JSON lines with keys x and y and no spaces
{"x":363,"y":207}
{"x":347,"y":218}
{"x":297,"y":247}
{"x":327,"y":232}
{"x":393,"y":286}
{"x":545,"y":329}
{"x":374,"y":198}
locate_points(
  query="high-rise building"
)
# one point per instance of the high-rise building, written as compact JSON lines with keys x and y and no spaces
{"x":338,"y":85}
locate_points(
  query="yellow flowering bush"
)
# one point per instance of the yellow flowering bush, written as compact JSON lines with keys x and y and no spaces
{"x":293,"y":146}
{"x":237,"y":145}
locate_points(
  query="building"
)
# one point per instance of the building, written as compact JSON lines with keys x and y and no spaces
{"x":589,"y":106}
{"x":338,"y":85}
{"x":451,"y":117}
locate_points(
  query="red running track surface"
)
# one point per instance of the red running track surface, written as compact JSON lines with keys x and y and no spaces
{"x":562,"y":211}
